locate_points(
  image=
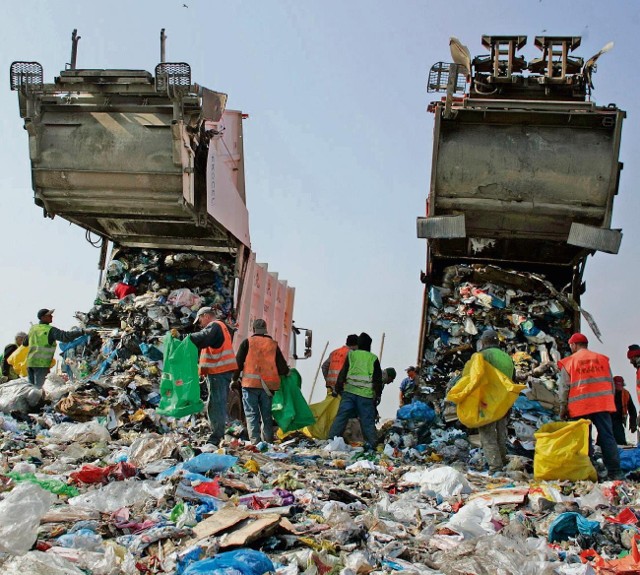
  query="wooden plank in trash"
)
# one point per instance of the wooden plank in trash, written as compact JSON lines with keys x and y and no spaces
{"x":251,"y":530}
{"x":219,"y":521}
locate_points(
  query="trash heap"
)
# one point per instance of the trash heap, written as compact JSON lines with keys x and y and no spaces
{"x":533,"y":320}
{"x":77,"y":499}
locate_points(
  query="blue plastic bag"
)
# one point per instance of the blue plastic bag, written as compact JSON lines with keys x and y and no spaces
{"x":215,"y":462}
{"x":239,"y":562}
{"x":417,"y":410}
{"x":569,"y":525}
{"x":630,"y":459}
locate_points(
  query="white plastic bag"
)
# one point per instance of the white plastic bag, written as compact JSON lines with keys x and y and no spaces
{"x":20,"y":514}
{"x":39,"y":563}
{"x":119,"y":494}
{"x":337,"y":444}
{"x":445,"y":481}
{"x":19,"y":396}
{"x":56,"y":387}
{"x":473,"y":520}
{"x":89,"y":432}
{"x":151,"y":447}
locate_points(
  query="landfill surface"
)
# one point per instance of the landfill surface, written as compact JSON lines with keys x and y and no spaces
{"x":94,"y":481}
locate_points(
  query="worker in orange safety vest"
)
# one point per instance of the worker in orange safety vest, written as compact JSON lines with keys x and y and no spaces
{"x":586,"y":391}
{"x":625,"y":409}
{"x":217,"y":364}
{"x":261,"y":363}
{"x":333,"y":364}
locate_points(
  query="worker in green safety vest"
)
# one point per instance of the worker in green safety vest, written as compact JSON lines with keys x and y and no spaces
{"x":360,"y":387}
{"x":42,"y":346}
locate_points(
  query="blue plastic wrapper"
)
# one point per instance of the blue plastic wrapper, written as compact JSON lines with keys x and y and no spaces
{"x":215,"y":462}
{"x":239,"y":562}
{"x":418,"y":411}
{"x":630,"y":459}
{"x":569,"y":525}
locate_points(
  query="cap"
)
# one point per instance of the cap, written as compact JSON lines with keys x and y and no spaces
{"x":634,"y":351}
{"x":259,"y":327}
{"x":618,"y":381}
{"x":411,"y":368}
{"x":391,"y":373}
{"x":202,"y":311}
{"x":44,"y":311}
{"x":21,"y":334}
{"x":578,"y":338}
{"x":352,"y":340}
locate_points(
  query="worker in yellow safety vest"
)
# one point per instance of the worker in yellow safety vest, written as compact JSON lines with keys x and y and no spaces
{"x":42,"y":345}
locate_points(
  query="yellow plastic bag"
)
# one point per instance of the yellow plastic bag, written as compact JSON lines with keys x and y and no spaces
{"x":324,"y":412}
{"x":18,"y":360}
{"x":483,"y":393}
{"x":562,"y":451}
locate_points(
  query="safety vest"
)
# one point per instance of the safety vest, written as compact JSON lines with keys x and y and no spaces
{"x":41,"y":352}
{"x":218,"y":359}
{"x":590,"y":383}
{"x":260,"y":364}
{"x":360,"y":375}
{"x":336,"y":361}
{"x":626,"y":398}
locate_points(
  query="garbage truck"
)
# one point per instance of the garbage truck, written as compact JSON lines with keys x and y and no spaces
{"x":524,"y":174}
{"x":151,"y":161}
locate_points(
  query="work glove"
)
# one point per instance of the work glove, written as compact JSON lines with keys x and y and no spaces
{"x":235,"y":385}
{"x":175,"y":333}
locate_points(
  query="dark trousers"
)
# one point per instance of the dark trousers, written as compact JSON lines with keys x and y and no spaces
{"x":606,"y":441}
{"x":618,"y":429}
{"x":364,"y":408}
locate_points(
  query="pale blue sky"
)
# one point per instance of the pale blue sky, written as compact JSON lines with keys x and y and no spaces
{"x":337,"y":147}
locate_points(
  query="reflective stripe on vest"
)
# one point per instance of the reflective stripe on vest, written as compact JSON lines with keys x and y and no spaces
{"x":41,"y":352}
{"x":590,"y":384}
{"x":218,"y":359}
{"x":260,"y":364}
{"x":336,"y":361}
{"x":360,"y":375}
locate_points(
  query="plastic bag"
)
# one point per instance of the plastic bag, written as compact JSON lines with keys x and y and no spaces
{"x":120,"y":494}
{"x":180,"y":385}
{"x":630,"y":459}
{"x":483,"y":394}
{"x":324,"y":412}
{"x":444,"y":480}
{"x":289,"y":407}
{"x":417,"y":411}
{"x":88,"y":432}
{"x":562,"y":451}
{"x":569,"y":524}
{"x":53,"y":485}
{"x":20,"y":514}
{"x":18,"y":360}
{"x":239,"y":562}
{"x":473,"y":520}
{"x":39,"y":563}
{"x":151,"y":447}
{"x":19,"y":396}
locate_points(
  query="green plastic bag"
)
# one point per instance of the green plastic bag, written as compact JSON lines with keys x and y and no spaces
{"x":289,"y":407}
{"x":179,"y":386}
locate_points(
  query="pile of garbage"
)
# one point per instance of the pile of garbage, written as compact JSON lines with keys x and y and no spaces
{"x":76,"y":498}
{"x":534,"y":322}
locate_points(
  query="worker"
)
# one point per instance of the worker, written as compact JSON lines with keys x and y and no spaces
{"x":493,"y":436}
{"x":624,"y":408}
{"x":586,"y":391}
{"x":42,"y":346}
{"x":633,"y":355}
{"x":8,"y":373}
{"x":217,"y":364}
{"x":360,"y":386}
{"x":261,"y":363}
{"x":389,"y":375}
{"x":333,"y":364}
{"x":410,"y":385}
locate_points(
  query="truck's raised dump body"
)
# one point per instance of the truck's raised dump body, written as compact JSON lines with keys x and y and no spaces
{"x":141,"y":160}
{"x":524,"y":179}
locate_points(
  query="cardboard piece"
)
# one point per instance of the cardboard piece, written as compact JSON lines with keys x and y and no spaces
{"x":250,"y":530}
